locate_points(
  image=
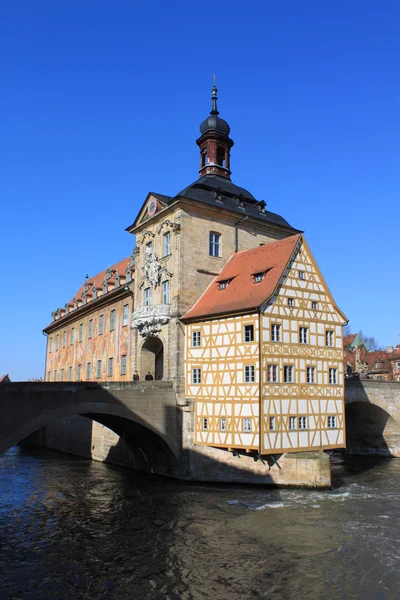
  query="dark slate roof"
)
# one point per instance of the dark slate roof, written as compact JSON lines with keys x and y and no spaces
{"x":221,"y":192}
{"x":161,"y":197}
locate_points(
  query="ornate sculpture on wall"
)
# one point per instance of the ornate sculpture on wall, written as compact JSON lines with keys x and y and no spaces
{"x":148,"y":320}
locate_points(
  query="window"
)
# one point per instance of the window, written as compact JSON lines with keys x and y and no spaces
{"x":314,"y":305}
{"x":273,"y":373}
{"x":88,"y":370}
{"x":222,"y":424}
{"x":64,"y":341}
{"x":302,"y":275}
{"x":303,"y":334}
{"x":69,"y":373}
{"x":110,"y":367}
{"x":204,"y":157}
{"x":310,"y":374}
{"x":55,"y":374}
{"x":125,"y":313}
{"x":290,"y":301}
{"x":196,"y":339}
{"x":123,"y":364}
{"x":48,"y":376}
{"x":332,"y":376}
{"x":215,"y":244}
{"x":147,"y":297}
{"x":247,"y":425}
{"x":196,"y":375}
{"x":272,"y":423}
{"x":72,"y":336}
{"x":62,"y":374}
{"x":167,"y":243}
{"x":90,"y":328}
{"x":81,"y":332}
{"x":249,"y":374}
{"x":329,"y":337}
{"x":165,"y":292}
{"x":57,"y":341}
{"x":112,"y":320}
{"x":377,"y":365}
{"x":275,"y":333}
{"x":149,"y":249}
{"x":249,"y":333}
{"x":51,"y":345}
{"x":78,"y":373}
{"x":288,"y":374}
{"x":98,"y":370}
{"x":398,"y":365}
{"x":292,"y":422}
{"x":258,"y":277}
{"x":204,"y":424}
{"x":302,"y":422}
{"x":223,"y":284}
{"x":101,"y":324}
{"x":221,"y":156}
{"x":331,"y":422}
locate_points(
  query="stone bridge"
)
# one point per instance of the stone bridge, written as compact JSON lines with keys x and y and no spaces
{"x":373,"y":417}
{"x":144,"y":414}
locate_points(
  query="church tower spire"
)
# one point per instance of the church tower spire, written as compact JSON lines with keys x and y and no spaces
{"x":215,"y":143}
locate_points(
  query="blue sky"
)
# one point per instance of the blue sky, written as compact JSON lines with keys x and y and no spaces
{"x":101,"y":102}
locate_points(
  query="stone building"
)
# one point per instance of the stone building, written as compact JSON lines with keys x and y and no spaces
{"x":132,"y":316}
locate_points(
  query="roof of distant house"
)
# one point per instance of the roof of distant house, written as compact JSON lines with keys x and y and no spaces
{"x":4,"y":378}
{"x":240,"y":291}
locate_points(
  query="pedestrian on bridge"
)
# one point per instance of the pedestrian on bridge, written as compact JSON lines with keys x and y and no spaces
{"x":149,"y":376}
{"x":135,"y":376}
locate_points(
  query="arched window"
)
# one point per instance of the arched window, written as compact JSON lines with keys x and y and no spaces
{"x":221,"y":156}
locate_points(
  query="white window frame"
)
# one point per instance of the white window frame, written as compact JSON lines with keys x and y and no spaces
{"x":292,"y":423}
{"x":302,"y":275}
{"x":196,"y":376}
{"x":249,"y":374}
{"x":113,"y":319}
{"x":165,"y":292}
{"x":215,"y":244}
{"x":273,"y":374}
{"x":314,"y":305}
{"x":311,"y":375}
{"x":78,"y":372}
{"x":72,"y":341}
{"x":333,"y":376}
{"x":110,"y":366}
{"x":290,"y":301}
{"x":275,"y":332}
{"x":303,"y":422}
{"x":147,"y":296}
{"x":303,"y":335}
{"x":167,"y":243}
{"x":125,"y":315}
{"x":123,"y":364}
{"x":90,"y":329}
{"x":222,"y":424}
{"x":331,"y":422}
{"x":272,"y":423}
{"x":329,"y":338}
{"x":204,"y":424}
{"x":196,"y":339}
{"x":246,"y":425}
{"x":98,"y":368}
{"x":288,"y":374}
{"x":248,"y":333}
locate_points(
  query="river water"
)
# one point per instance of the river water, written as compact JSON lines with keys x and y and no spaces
{"x":74,"y":529}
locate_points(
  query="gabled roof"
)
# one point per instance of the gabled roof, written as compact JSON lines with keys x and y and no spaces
{"x":241,"y":293}
{"x":4,"y":378}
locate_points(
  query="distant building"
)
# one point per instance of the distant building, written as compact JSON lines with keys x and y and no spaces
{"x":4,"y":379}
{"x":381,"y":365}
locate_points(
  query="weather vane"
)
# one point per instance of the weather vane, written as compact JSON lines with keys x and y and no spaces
{"x":214,"y":79}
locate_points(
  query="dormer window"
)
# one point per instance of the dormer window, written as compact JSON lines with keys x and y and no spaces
{"x":94,"y":292}
{"x":117,"y":280}
{"x":224,"y":284}
{"x":128,"y":275}
{"x":378,"y":365}
{"x":258,"y":277}
{"x":105,"y":286}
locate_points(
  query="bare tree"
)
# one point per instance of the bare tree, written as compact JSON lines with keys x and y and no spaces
{"x":346,"y":330}
{"x":370,"y":341}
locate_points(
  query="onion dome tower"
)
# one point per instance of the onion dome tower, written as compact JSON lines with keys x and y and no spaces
{"x":215,"y":143}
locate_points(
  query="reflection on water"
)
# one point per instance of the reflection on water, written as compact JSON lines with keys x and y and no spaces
{"x":74,"y":529}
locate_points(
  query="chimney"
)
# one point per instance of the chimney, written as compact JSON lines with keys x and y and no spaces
{"x":389,"y":349}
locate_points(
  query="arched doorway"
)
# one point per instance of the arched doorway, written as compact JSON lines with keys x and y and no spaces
{"x":152,"y":358}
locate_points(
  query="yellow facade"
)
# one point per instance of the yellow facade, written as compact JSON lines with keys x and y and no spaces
{"x":295,"y":397}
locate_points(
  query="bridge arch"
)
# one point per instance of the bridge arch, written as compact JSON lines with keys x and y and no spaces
{"x":372,"y":417}
{"x":144,"y":416}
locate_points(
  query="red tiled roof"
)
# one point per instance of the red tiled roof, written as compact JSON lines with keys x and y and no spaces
{"x":349,"y":339}
{"x":242,"y":293}
{"x":4,"y":378}
{"x":98,"y":279}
